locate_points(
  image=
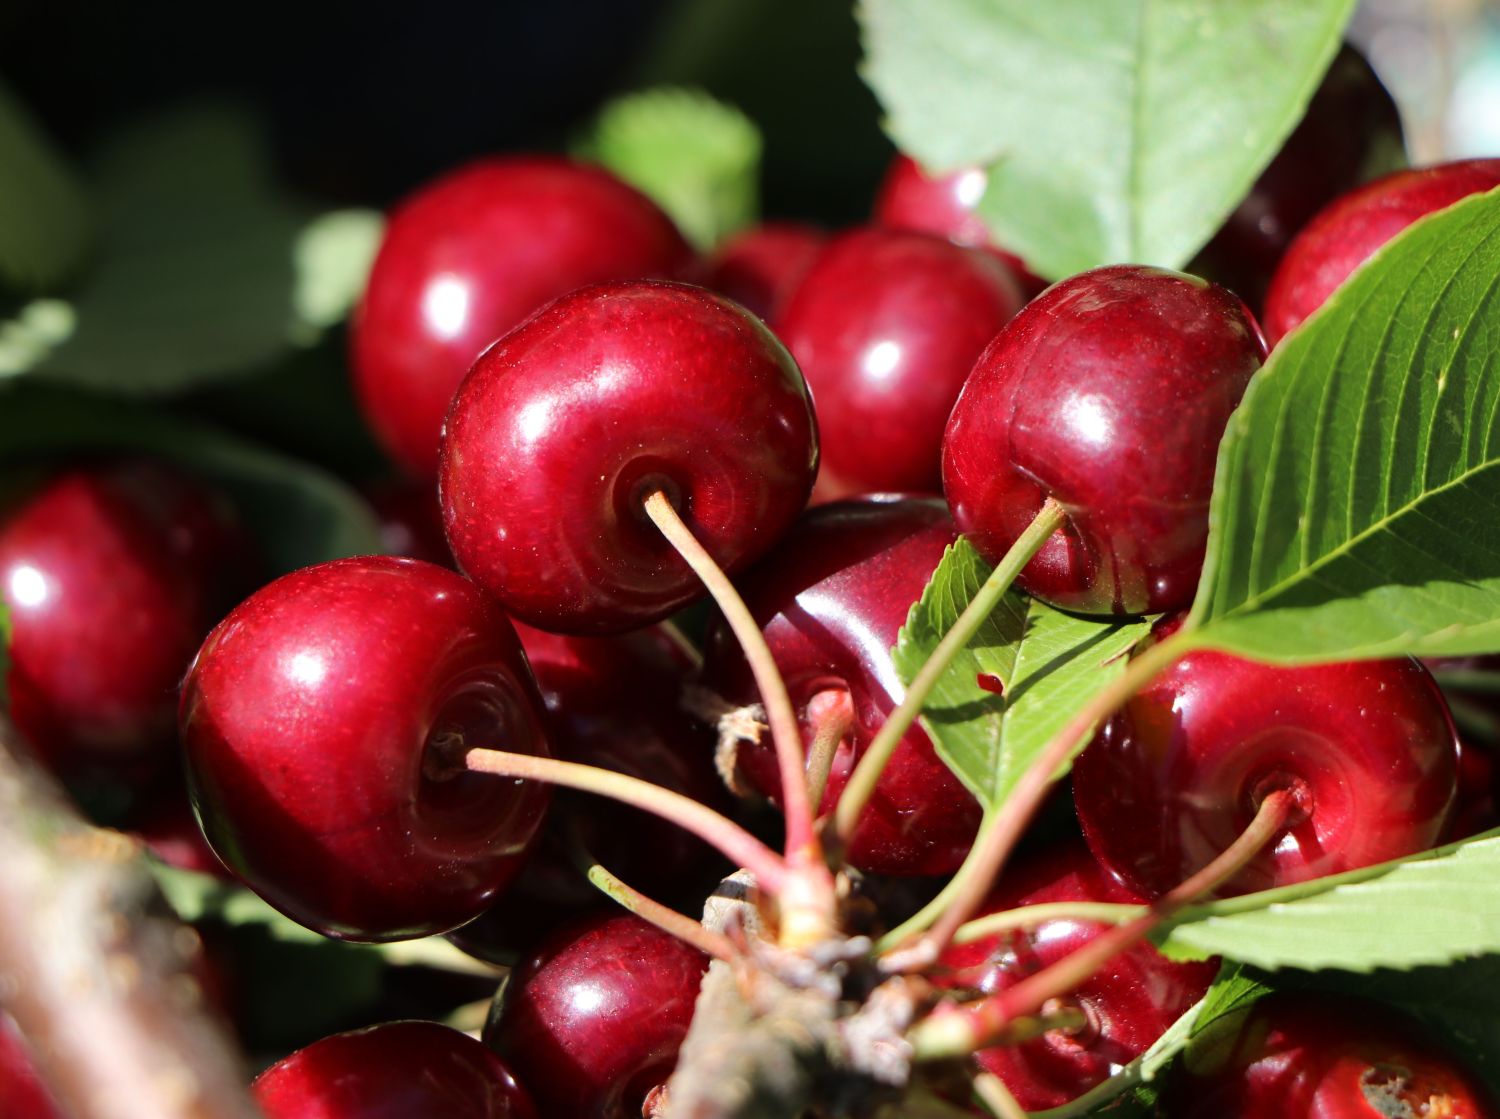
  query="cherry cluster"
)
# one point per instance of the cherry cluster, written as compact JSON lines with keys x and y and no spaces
{"x":380,"y":746}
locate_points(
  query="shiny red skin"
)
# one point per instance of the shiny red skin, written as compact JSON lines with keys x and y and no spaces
{"x":112,"y":574}
{"x":1350,"y":128}
{"x":596,"y":1016}
{"x":1346,"y":234}
{"x":1367,"y":747}
{"x":760,"y":267}
{"x":324,"y":722}
{"x":943,"y":205}
{"x":1109,"y":393}
{"x":567,"y":423}
{"x":1323,"y":1056}
{"x":399,"y":1070}
{"x":886,"y":326}
{"x":469,"y":256}
{"x":23,"y":1095}
{"x":830,"y":600}
{"x":1129,"y":1002}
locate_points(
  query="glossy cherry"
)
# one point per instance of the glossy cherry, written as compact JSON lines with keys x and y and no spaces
{"x":569,"y":422}
{"x":23,"y":1095}
{"x":830,"y":600}
{"x":1366,"y":748}
{"x":112,"y":574}
{"x":400,"y":1070}
{"x":886,"y":326}
{"x":760,"y":267}
{"x":1128,"y":1004}
{"x":324,"y":723}
{"x":469,"y":256}
{"x":944,"y":205}
{"x":1109,"y":393}
{"x":1324,"y":1056}
{"x":1347,"y":233}
{"x":596,"y":1016}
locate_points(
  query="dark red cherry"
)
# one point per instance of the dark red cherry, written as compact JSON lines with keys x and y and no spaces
{"x":943,"y":205}
{"x":1471,"y":685}
{"x":1127,"y":1004}
{"x":165,"y":823}
{"x":1348,"y":232}
{"x":469,"y":256}
{"x":596,"y":1017}
{"x":1109,"y":393}
{"x":1324,"y":1056}
{"x":567,"y":423}
{"x":1350,"y":129}
{"x":23,"y":1095}
{"x":325,"y":722}
{"x":1366,"y":748}
{"x":760,"y":267}
{"x":411,"y":520}
{"x":112,"y":574}
{"x":830,"y":600}
{"x":886,"y":326}
{"x":400,"y":1070}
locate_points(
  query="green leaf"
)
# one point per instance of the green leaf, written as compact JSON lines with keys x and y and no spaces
{"x":332,"y":257}
{"x":32,"y":332}
{"x":1047,"y":663}
{"x":198,"y":897}
{"x":1121,"y":131}
{"x":45,"y":223}
{"x":196,"y":276}
{"x":1355,"y":505}
{"x":698,"y":158}
{"x":298,"y":514}
{"x":1432,"y":908}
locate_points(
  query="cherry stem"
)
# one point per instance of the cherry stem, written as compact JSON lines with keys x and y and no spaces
{"x":989,"y":1022}
{"x":837,"y":722}
{"x":862,"y":781}
{"x":993,"y":1093}
{"x":689,"y":651}
{"x":1002,"y":829}
{"x":719,"y":832}
{"x":802,"y":844}
{"x":1030,"y":916}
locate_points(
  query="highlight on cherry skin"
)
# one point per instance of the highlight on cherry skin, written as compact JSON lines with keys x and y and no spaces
{"x":1109,"y":394}
{"x":830,"y":600}
{"x":398,"y":1070}
{"x":471,"y":254}
{"x":1366,"y":748}
{"x":324,"y":724}
{"x":567,"y":424}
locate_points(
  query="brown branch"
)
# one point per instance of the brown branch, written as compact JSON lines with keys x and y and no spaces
{"x":94,"y":968}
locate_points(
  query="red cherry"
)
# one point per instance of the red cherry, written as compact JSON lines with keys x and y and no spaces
{"x":569,"y":422}
{"x":23,"y":1095}
{"x":1347,"y":233}
{"x":165,"y":823}
{"x":411,"y":520}
{"x":1128,"y":1004}
{"x":1366,"y":747}
{"x":324,"y":723}
{"x":112,"y":573}
{"x":400,"y":1070}
{"x":597,"y":1015}
{"x":1325,"y":1056}
{"x":886,"y":326}
{"x":943,"y":205}
{"x":760,"y":267}
{"x":830,"y":600}
{"x":1109,"y":393}
{"x":469,"y":256}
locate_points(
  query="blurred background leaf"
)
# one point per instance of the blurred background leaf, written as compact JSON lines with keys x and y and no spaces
{"x":45,"y":223}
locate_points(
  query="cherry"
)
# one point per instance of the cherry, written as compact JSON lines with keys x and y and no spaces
{"x":1351,"y":124}
{"x":411,"y":520}
{"x":399,"y":1070}
{"x":1127,"y":1005}
{"x":1108,"y":393}
{"x":1324,"y":1057}
{"x":112,"y":574}
{"x":165,"y":823}
{"x":760,"y":267}
{"x":569,"y":422}
{"x":597,"y":1015}
{"x":1366,"y":748}
{"x":23,"y":1095}
{"x":944,"y":205}
{"x":1348,"y":232}
{"x":886,"y":326}
{"x":469,"y":256}
{"x":324,"y":723}
{"x":1476,"y":713}
{"x":830,"y":600}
